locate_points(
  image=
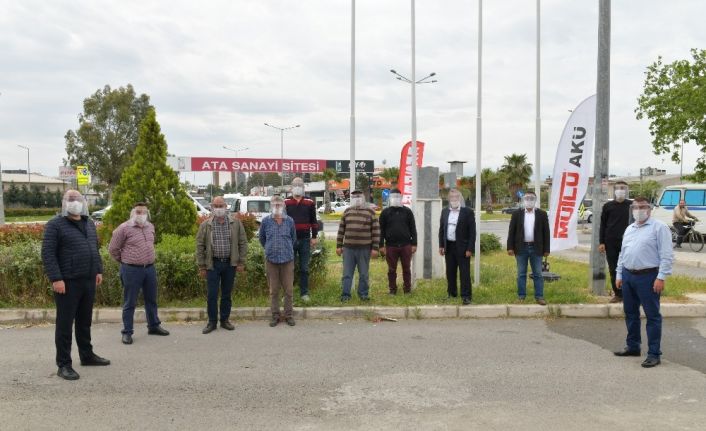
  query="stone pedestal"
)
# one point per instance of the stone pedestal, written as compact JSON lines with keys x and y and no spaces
{"x":427,"y":262}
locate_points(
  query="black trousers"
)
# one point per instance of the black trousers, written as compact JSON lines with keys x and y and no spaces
{"x":74,"y":305}
{"x":612,"y":252}
{"x":456,"y":261}
{"x":682,"y":229}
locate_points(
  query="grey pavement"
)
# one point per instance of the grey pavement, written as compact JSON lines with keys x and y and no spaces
{"x":529,"y":374}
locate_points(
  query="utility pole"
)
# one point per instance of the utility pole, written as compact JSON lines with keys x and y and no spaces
{"x":479,"y":136}
{"x":600,"y":166}
{"x":2,"y":201}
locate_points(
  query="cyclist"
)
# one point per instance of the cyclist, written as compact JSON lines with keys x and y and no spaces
{"x":683,"y":221}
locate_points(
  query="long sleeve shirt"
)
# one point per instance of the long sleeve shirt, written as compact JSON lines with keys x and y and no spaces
{"x":133,"y":244}
{"x":278,"y":239}
{"x":304,"y":214}
{"x":682,"y":215}
{"x":358,"y":228}
{"x":615,"y":218}
{"x":647,"y":245}
{"x":397,"y":227}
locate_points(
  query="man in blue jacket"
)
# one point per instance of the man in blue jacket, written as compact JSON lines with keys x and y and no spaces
{"x":74,"y":267}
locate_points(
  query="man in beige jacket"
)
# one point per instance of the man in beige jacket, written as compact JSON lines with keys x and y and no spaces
{"x":681,"y":220}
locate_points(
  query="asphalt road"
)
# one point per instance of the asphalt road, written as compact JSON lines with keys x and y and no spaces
{"x":498,"y":374}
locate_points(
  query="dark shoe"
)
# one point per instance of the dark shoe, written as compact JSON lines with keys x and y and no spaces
{"x":274,"y":321}
{"x":626,"y":352}
{"x":466,"y":301}
{"x":365,"y":298}
{"x":451,"y":297}
{"x":651,"y":361}
{"x":677,"y":246}
{"x":67,"y":373}
{"x":345,"y":298}
{"x":157,"y":330}
{"x":392,"y":293}
{"x":290,"y":321}
{"x":541,"y":301}
{"x":127,"y":338}
{"x":210,"y":327}
{"x":616,"y":300}
{"x":95,"y":360}
{"x":227,"y":325}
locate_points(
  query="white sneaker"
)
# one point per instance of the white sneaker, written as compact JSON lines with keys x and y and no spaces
{"x":306,"y":299}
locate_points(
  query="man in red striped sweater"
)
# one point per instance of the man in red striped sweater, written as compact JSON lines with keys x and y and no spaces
{"x":303,"y":211}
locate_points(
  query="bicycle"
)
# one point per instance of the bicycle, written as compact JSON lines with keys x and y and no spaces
{"x":695,"y":238}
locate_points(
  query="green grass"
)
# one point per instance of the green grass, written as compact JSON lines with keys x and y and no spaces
{"x":496,"y":215}
{"x":28,"y":218}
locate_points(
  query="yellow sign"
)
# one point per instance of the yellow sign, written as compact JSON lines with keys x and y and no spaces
{"x":83,"y":176}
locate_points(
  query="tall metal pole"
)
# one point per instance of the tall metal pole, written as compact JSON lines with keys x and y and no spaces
{"x":281,"y":154}
{"x":476,"y":261}
{"x":351,"y":181}
{"x":538,"y":122}
{"x":29,"y":176}
{"x":2,"y":200}
{"x":414,"y":113}
{"x":600,"y":168}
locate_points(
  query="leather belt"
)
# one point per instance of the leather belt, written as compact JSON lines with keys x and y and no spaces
{"x":529,"y":243}
{"x":642,"y":271}
{"x":147,"y":265}
{"x":221,"y":259}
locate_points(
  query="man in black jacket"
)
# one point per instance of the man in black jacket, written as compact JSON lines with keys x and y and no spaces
{"x":457,"y":241}
{"x":74,"y":267}
{"x":398,"y":241}
{"x":528,"y":239}
{"x":615,"y":218}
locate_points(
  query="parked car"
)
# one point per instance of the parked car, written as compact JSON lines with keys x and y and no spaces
{"x":586,"y":216}
{"x":200,"y":209}
{"x":510,"y":209}
{"x":259,"y":206}
{"x":337,"y":207}
{"x":98,"y":215}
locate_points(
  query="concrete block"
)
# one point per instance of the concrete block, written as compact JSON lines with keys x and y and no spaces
{"x":482,"y":311}
{"x":108,"y":315}
{"x":583,"y":310}
{"x":299,"y":313}
{"x":530,"y":310}
{"x":434,"y":311}
{"x":180,"y":314}
{"x":615,"y":310}
{"x":332,"y":313}
{"x":140,"y":316}
{"x":36,"y":315}
{"x":262,"y":312}
{"x":393,"y":312}
{"x":50,"y":315}
{"x":12,"y":315}
{"x":683,"y":310}
{"x":247,"y":313}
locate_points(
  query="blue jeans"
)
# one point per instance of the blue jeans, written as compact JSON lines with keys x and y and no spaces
{"x":302,"y":250}
{"x":352,"y":257}
{"x":222,"y":275}
{"x":135,"y":279}
{"x":535,"y":261}
{"x":637,"y":290}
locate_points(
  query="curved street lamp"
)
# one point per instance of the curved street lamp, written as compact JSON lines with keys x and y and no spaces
{"x":281,"y":145}
{"x":236,"y":151}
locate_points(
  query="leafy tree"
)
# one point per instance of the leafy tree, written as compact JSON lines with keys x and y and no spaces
{"x":517,"y":172}
{"x":36,"y":197}
{"x":149,"y":179}
{"x":362,"y":183}
{"x":272,"y":179}
{"x":391,"y":175}
{"x":674,"y":101}
{"x":649,"y":189}
{"x":108,"y":131}
{"x":326,"y":176}
{"x":12,"y":195}
{"x":23,"y":195}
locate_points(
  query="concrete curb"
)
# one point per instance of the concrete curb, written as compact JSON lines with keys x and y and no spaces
{"x":114,"y":315}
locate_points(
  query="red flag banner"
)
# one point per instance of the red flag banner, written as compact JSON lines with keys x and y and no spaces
{"x":404,"y":182}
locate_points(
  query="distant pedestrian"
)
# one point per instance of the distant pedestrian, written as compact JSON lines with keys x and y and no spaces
{"x":682,"y":220}
{"x":358,"y":240}
{"x":457,"y":242}
{"x":528,"y":240}
{"x":303,"y":211}
{"x":398,"y":241}
{"x":74,"y":268}
{"x":645,"y":262}
{"x":615,"y":218}
{"x":132,"y":245}
{"x":221,"y":251}
{"x":278,"y":236}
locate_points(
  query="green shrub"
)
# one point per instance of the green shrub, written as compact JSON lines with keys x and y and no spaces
{"x":24,"y":211}
{"x":20,"y":232}
{"x":489,"y":242}
{"x":22,"y":279}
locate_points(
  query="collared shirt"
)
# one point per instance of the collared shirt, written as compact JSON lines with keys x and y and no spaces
{"x":278,"y":239}
{"x":221,"y":238}
{"x":682,"y":215}
{"x":451,"y":224}
{"x":133,"y":244}
{"x":529,"y":225}
{"x":648,"y":245}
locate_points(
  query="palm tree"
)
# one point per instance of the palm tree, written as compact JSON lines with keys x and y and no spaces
{"x":390,"y":175}
{"x":326,"y":176}
{"x":517,"y":171}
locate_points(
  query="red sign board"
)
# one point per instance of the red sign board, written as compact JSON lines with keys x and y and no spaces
{"x":225,"y":164}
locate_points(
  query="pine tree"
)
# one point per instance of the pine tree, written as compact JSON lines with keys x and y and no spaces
{"x":149,"y":179}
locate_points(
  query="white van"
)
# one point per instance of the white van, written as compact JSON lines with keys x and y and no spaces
{"x":200,"y":209}
{"x":259,"y":206}
{"x":693,"y":194}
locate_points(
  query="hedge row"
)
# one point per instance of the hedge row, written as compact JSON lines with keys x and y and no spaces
{"x":30,"y":212}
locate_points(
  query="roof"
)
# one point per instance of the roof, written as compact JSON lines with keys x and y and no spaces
{"x":34,"y":179}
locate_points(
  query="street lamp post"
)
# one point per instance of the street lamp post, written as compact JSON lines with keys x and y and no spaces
{"x":281,"y":145}
{"x":29,"y":176}
{"x":236,"y":151}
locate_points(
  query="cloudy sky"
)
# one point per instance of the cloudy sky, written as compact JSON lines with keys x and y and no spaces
{"x":217,"y":70}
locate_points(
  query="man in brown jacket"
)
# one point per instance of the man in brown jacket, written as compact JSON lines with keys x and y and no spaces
{"x":358,"y":240}
{"x":221,"y":250}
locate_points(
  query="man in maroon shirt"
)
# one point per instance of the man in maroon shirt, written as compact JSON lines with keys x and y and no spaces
{"x":133,"y":246}
{"x":303,"y":211}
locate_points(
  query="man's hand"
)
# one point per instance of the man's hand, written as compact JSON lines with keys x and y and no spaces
{"x":240,"y":268}
{"x":658,"y":287}
{"x":99,"y":279}
{"x":339,"y":251}
{"x":511,"y":252}
{"x":618,"y":284}
{"x":382,"y":251}
{"x":59,"y":287}
{"x":373,"y":253}
{"x":441,"y":251}
{"x":414,"y":249}
{"x":601,"y":248}
{"x":313,"y":242}
{"x":202,"y":272}
{"x":469,"y":253}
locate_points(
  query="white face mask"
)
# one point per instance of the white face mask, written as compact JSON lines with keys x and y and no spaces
{"x":396,"y":200}
{"x":74,"y":207}
{"x":219,"y":212}
{"x":298,"y":191}
{"x":277,"y":210}
{"x":140,"y":219}
{"x":454,"y":203}
{"x":620,"y":194}
{"x":640,"y":215}
{"x":357,"y":201}
{"x":529,"y":202}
